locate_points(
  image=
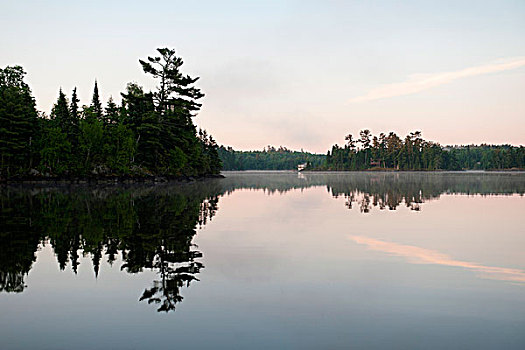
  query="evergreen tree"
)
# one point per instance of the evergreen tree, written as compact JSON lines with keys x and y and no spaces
{"x":60,"y":113}
{"x":55,"y":151}
{"x":112,"y":113}
{"x":73,"y":110}
{"x":139,"y":115}
{"x":18,"y":122}
{"x":175,"y":104}
{"x":176,"y":91}
{"x":96,"y":105}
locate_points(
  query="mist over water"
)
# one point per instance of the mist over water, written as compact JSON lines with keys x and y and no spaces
{"x":267,"y":259}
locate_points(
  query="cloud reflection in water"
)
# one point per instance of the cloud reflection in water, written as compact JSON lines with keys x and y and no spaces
{"x":419,"y":255}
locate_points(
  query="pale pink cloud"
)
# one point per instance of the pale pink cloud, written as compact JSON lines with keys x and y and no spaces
{"x":419,"y":82}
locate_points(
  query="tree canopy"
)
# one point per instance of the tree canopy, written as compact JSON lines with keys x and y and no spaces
{"x":18,"y":123}
{"x":270,"y":158}
{"x":389,"y":151}
{"x":150,"y":133}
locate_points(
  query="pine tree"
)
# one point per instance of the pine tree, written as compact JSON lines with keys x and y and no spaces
{"x":112,"y":113}
{"x":18,"y":122}
{"x":139,"y":115}
{"x":176,"y":103}
{"x":74,"y":119}
{"x":75,"y":114}
{"x":176,"y":91}
{"x":60,"y":113}
{"x":96,"y":105}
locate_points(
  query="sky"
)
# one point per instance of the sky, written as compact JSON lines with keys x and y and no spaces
{"x":302,"y":74}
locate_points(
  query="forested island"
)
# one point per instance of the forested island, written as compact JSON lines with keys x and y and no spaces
{"x":149,"y":135}
{"x":382,"y":152}
{"x":389,"y":151}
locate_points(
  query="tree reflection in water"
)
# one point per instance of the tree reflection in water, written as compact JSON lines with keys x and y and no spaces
{"x":384,"y":190}
{"x":153,"y":226}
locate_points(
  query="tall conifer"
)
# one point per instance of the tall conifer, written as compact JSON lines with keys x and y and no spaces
{"x":96,"y":105}
{"x":60,"y":112}
{"x":74,"y":105}
{"x":18,"y":122}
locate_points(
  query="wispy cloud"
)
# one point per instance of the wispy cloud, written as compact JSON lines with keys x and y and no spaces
{"x":426,"y":256}
{"x":419,"y":82}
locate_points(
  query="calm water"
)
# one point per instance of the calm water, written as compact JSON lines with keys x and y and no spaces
{"x":267,"y":260}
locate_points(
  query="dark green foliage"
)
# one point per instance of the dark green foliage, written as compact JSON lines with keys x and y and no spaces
{"x":96,"y":105}
{"x":210,"y":152}
{"x":488,"y":156}
{"x":60,"y":112}
{"x":138,"y":114}
{"x":120,"y":149}
{"x":169,"y":128}
{"x":91,"y":144}
{"x":414,"y":153}
{"x":72,"y":127}
{"x":151,"y":133}
{"x":55,"y":151}
{"x":75,"y":114}
{"x":268,"y":159}
{"x":18,"y":123}
{"x":112,"y":114}
{"x":175,"y":91}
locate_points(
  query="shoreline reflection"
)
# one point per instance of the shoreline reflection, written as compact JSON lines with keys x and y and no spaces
{"x":153,"y":226}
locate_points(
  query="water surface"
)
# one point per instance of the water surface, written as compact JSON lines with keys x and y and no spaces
{"x":267,"y":260}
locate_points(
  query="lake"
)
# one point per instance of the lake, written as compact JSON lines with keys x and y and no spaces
{"x":267,"y":260}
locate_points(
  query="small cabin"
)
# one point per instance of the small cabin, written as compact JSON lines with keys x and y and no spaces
{"x":375,"y":162}
{"x":301,"y":167}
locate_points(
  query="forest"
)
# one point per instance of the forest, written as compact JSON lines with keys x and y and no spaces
{"x":270,"y":158}
{"x":389,"y":151}
{"x":148,"y":134}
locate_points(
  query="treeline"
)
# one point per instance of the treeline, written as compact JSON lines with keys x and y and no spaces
{"x":270,"y":158}
{"x":415,"y":153}
{"x":485,"y":157}
{"x":149,"y":133}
